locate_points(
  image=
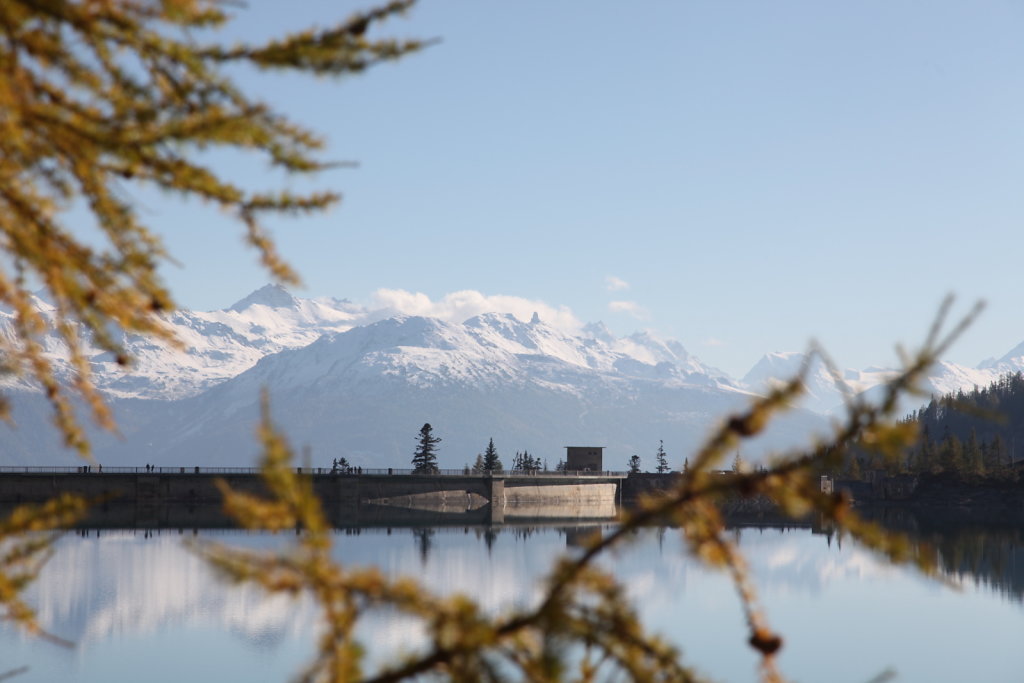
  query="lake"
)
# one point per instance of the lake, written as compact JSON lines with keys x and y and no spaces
{"x":140,"y":606}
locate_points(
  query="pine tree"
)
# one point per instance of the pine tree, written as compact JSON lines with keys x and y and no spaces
{"x":634,"y":464}
{"x":492,"y":463}
{"x":973,"y":455}
{"x":998,"y":452}
{"x":854,"y":471}
{"x":662,"y":459}
{"x":527,"y":462}
{"x":952,"y":454}
{"x":478,"y":464}
{"x":424,"y":460}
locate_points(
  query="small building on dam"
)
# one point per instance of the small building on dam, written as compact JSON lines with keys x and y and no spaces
{"x":584,"y":458}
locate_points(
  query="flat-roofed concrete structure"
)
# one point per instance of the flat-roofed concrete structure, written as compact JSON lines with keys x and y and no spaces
{"x":584,"y":458}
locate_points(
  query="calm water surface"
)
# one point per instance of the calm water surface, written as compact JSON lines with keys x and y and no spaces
{"x":141,"y":607}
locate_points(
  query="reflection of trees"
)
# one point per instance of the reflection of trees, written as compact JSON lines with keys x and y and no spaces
{"x":970,"y":549}
{"x":424,"y":542}
{"x":490,"y":536}
{"x":992,"y":558}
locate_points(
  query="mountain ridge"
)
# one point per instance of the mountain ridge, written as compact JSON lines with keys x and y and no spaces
{"x":342,"y":376}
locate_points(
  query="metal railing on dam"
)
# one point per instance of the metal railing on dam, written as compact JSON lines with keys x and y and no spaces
{"x":344,"y":472}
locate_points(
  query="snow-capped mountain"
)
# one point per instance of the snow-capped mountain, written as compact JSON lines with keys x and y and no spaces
{"x":824,"y":389}
{"x":347,"y":380}
{"x":364,"y":393}
{"x":487,"y":350}
{"x":826,"y":392}
{"x":1011,"y":361}
{"x":216,"y":345}
{"x":221,"y":344}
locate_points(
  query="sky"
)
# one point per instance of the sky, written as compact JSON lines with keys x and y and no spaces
{"x":741,"y":176}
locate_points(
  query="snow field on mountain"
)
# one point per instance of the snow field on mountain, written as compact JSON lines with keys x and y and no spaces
{"x":345,"y":379}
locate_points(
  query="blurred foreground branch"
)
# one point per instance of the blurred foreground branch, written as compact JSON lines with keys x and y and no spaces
{"x":26,"y":543}
{"x":98,"y":99}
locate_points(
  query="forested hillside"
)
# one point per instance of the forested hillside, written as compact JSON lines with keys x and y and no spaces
{"x":976,"y":434}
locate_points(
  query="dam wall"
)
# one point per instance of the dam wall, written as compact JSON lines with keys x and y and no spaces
{"x":194,"y":486}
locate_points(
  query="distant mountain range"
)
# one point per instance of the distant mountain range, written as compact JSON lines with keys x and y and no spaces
{"x":348,"y":381}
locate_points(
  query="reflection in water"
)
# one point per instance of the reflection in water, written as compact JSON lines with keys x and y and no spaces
{"x":111,"y":584}
{"x":490,"y":535}
{"x":993,"y":559}
{"x":143,"y":607}
{"x":423,"y":537}
{"x":985,"y":552}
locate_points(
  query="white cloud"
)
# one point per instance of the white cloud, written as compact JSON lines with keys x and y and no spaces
{"x":712,"y":341}
{"x":615,"y":284}
{"x":630,"y":307}
{"x":462,"y":305}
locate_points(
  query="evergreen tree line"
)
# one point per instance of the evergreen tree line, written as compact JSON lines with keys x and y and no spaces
{"x":661,"y":466}
{"x":490,"y":461}
{"x":970,"y":435}
{"x":424,"y":459}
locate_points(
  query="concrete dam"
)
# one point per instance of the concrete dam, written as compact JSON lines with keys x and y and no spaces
{"x":138,"y":494}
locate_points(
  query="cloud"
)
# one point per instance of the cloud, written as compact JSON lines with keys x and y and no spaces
{"x":712,"y":341}
{"x":630,"y":307}
{"x":615,"y":284}
{"x":460,"y":306}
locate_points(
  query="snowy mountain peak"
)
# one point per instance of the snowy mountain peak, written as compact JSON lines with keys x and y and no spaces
{"x":662,"y":350}
{"x":414,"y":331}
{"x":337,"y":368}
{"x":1011,"y":361}
{"x":776,"y":365}
{"x":272,"y":296}
{"x":598,"y":331}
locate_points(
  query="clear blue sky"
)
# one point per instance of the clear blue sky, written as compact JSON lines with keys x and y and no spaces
{"x":758,"y":172}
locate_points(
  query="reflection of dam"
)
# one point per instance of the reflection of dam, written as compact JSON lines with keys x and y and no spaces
{"x":523,"y":497}
{"x":182,"y":493}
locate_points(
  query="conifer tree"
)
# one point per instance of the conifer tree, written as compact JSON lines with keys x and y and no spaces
{"x":525,"y":462}
{"x":492,"y":463}
{"x":478,"y":464}
{"x":533,"y":464}
{"x":998,"y":451}
{"x":661,"y":459}
{"x":634,"y":464}
{"x":424,"y":459}
{"x":951,"y":453}
{"x":973,"y":456}
{"x":854,"y":470}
